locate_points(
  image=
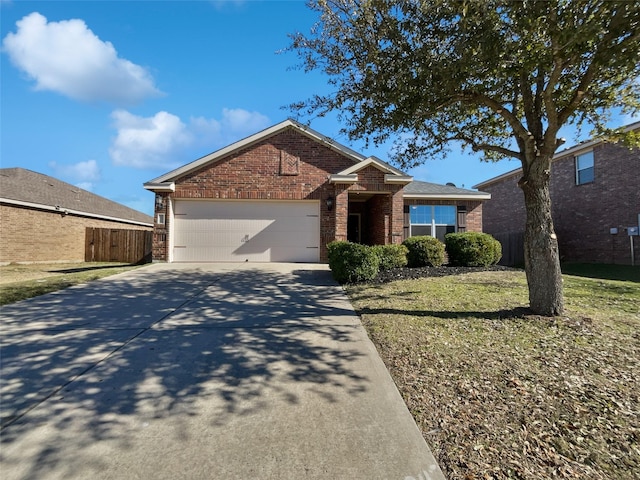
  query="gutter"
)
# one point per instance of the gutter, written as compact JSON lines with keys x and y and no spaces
{"x":68,"y":211}
{"x":160,"y":187}
{"x":447,"y":196}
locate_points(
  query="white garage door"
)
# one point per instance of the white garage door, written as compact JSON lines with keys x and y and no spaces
{"x":238,"y":231}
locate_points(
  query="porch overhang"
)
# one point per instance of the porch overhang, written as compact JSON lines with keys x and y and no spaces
{"x":339,"y":178}
{"x":397,"y":179}
{"x":160,"y":187}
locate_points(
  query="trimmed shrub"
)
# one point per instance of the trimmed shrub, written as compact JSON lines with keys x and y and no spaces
{"x":391,"y":256}
{"x":472,"y":249}
{"x":424,"y":251}
{"x":352,"y":262}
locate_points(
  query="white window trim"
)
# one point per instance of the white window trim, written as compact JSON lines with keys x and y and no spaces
{"x":160,"y":218}
{"x":577,"y":170}
{"x":433,"y":223}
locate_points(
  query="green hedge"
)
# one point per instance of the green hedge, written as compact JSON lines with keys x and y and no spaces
{"x":352,"y":262}
{"x":391,"y":256}
{"x":472,"y":249}
{"x":424,"y":251}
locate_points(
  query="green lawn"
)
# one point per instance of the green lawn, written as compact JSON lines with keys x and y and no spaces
{"x":605,"y":272}
{"x":500,"y":393}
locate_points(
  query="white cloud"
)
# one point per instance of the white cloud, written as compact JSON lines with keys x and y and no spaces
{"x":68,"y":58}
{"x":238,"y":120}
{"x":235,"y":124}
{"x":85,"y":174}
{"x":148,"y":142}
{"x":163,"y":141}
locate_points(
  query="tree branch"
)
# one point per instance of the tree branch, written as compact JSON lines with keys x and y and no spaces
{"x":554,"y":77}
{"x":603,"y":49}
{"x":486,"y":101}
{"x":487,"y":147}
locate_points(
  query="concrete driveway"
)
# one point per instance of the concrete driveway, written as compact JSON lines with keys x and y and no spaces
{"x":208,"y":371}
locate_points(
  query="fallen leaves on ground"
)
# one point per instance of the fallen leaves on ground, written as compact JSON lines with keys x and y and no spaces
{"x":505,"y":394}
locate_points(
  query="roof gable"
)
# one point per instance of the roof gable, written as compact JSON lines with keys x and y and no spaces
{"x":375,"y":162}
{"x":25,"y":187}
{"x":350,"y":175}
{"x":218,"y":155}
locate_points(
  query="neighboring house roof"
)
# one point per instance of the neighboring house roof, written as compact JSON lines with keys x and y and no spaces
{"x":418,"y":189}
{"x":22,"y":187}
{"x":574,"y":150}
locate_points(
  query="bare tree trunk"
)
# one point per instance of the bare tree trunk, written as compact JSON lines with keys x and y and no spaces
{"x":541,"y":256}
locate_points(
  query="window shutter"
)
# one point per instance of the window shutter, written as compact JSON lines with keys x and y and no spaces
{"x":462,"y":218}
{"x":406,"y":222}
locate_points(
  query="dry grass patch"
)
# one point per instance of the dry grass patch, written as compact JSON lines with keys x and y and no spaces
{"x":22,"y":281}
{"x":499,"y":393}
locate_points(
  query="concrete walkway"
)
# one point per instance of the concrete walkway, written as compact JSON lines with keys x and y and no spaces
{"x":207,"y":371}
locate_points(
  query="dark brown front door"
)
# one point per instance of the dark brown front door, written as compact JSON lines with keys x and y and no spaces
{"x":353,"y":228}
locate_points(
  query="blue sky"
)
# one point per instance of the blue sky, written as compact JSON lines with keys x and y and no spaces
{"x":108,"y":95}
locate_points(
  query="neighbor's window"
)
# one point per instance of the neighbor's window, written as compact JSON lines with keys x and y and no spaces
{"x":160,"y":219}
{"x":432,"y":220}
{"x":584,"y":168}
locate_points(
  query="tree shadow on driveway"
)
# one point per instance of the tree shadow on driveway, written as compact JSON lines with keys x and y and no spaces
{"x":86,"y":369}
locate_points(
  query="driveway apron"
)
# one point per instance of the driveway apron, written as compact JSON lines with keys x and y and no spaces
{"x":201,"y":371}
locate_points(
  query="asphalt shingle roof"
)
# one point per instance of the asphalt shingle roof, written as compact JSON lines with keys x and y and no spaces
{"x":24,"y":185}
{"x":425,"y":188}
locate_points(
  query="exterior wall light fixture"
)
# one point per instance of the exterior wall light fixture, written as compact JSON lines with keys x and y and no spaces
{"x":329,"y":203}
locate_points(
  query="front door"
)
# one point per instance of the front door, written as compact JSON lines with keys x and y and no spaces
{"x":353,"y":228}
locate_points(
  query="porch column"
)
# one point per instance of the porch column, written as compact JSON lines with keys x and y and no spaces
{"x":397,"y":217}
{"x":341,"y":213}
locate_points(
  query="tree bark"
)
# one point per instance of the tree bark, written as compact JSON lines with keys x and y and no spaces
{"x":541,"y":255}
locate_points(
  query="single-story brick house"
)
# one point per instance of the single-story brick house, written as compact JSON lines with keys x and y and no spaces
{"x":282,"y":194}
{"x":595,"y":198}
{"x":43,"y":219}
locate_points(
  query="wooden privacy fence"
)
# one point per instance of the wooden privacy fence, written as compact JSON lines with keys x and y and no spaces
{"x":512,"y":248}
{"x":114,"y":245}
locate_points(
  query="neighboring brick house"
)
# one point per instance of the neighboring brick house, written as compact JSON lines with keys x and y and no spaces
{"x":43,"y":219}
{"x":595,"y":198}
{"x":284,"y":193}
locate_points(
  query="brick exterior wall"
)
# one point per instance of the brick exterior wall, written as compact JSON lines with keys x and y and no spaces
{"x":504,"y":213}
{"x":30,"y":236}
{"x":384,"y":211}
{"x":583,"y":215}
{"x":291,"y":166}
{"x":286,"y":166}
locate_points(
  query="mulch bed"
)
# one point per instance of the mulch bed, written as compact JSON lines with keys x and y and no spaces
{"x":442,"y":271}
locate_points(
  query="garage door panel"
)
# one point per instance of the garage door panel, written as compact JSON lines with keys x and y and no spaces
{"x":239,"y":231}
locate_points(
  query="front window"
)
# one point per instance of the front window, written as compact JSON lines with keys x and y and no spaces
{"x":584,"y":168}
{"x":432,"y":220}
